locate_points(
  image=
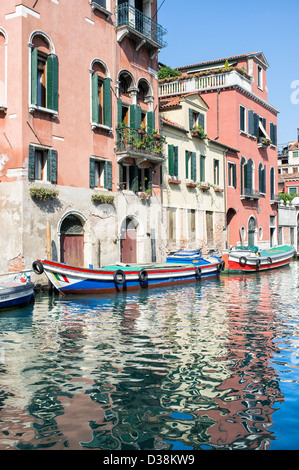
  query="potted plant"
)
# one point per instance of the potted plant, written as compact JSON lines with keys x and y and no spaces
{"x":204,"y":186}
{"x":197,"y":131}
{"x":266,"y":142}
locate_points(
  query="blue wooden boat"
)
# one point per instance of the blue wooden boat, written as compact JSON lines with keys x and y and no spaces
{"x":15,"y":291}
{"x":179,"y":268}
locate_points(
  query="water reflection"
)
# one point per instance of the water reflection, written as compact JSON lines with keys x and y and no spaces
{"x":184,"y":368}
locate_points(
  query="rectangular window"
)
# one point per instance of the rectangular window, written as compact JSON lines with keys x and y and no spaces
{"x":135,"y":179}
{"x":242,"y":118}
{"x":295,"y":169}
{"x":216,"y":172}
{"x":292,"y":190}
{"x":295,"y":154}
{"x":100,"y":174}
{"x":232,"y":175}
{"x":42,"y":164}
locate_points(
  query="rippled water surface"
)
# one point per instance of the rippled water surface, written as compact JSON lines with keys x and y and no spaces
{"x":212,"y":365}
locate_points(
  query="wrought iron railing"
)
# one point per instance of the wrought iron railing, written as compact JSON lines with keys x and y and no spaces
{"x":251,"y":193}
{"x":139,"y":142}
{"x":127,"y":15}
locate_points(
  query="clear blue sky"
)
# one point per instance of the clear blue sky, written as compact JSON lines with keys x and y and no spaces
{"x":206,"y":30}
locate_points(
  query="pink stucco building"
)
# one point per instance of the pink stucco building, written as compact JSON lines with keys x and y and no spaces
{"x":240,"y":117}
{"x":72,"y":74}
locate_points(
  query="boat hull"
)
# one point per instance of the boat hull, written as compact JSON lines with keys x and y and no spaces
{"x":73,"y":280}
{"x":246,"y":262}
{"x":15,"y":295}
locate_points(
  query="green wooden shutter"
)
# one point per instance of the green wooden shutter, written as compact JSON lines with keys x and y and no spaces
{"x":53,"y":166}
{"x":170,"y":160}
{"x":249,"y":174}
{"x":107,"y":102}
{"x":95,"y":98}
{"x":135,"y":116}
{"x":201,"y":120}
{"x":250,"y":122}
{"x":34,"y":76}
{"x":256,"y":125}
{"x":234,"y":176}
{"x":120,"y":173}
{"x":202,"y":169}
{"x":190,"y":118}
{"x":31,"y":163}
{"x":52,"y":82}
{"x":119,"y":112}
{"x":134,"y":178}
{"x":92,"y":172}
{"x":264,"y":179}
{"x":193,"y":166}
{"x":260,"y":178}
{"x":187,"y":164}
{"x":150,"y":121}
{"x":108,"y":175}
{"x":176,"y":161}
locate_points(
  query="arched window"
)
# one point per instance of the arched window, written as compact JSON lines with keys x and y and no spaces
{"x":44,"y":73}
{"x":252,"y":229}
{"x":101,"y":112}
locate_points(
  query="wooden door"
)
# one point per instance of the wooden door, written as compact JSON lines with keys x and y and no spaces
{"x":129,"y":247}
{"x":72,"y":249}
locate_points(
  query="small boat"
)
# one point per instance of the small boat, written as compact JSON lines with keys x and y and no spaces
{"x":16,"y":291}
{"x":121,"y":277}
{"x":248,"y":259}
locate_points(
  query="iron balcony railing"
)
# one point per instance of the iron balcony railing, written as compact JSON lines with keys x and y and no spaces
{"x":139,"y":143}
{"x":251,"y":193}
{"x":127,"y":15}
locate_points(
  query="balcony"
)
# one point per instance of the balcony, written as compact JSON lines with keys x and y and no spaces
{"x":248,"y":193}
{"x":142,"y":149}
{"x":142,"y":29}
{"x":205,"y":83}
{"x":274,"y":199}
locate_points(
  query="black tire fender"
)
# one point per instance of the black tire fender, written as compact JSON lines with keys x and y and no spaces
{"x":258,"y":263}
{"x":119,"y":276}
{"x":269,"y":260}
{"x":143,"y":275}
{"x":242,"y":261}
{"x":37,"y":267}
{"x":197,"y":272}
{"x":219,"y":267}
{"x":222,"y":265}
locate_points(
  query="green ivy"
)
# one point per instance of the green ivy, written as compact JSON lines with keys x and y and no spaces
{"x":43,"y":194}
{"x":102,"y":199}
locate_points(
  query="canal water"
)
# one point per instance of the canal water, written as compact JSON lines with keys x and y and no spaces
{"x":211,"y":365}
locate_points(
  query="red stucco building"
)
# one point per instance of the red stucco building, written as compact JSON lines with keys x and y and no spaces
{"x":240,"y":117}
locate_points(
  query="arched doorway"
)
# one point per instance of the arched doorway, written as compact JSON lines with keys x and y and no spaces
{"x":72,"y":241}
{"x":128,"y":243}
{"x":252,"y":228}
{"x":230,"y":219}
